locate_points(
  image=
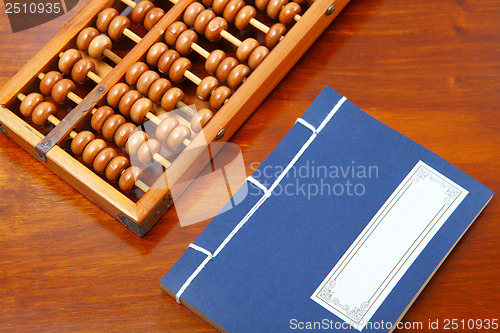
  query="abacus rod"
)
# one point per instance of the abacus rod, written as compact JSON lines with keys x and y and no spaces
{"x":112,"y":56}
{"x":201,"y":51}
{"x":129,"y":3}
{"x":259,"y":25}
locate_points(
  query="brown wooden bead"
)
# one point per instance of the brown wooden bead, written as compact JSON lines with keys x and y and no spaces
{"x":102,"y":159}
{"x":155,"y":52}
{"x":173,"y":31}
{"x":185,"y":40}
{"x":261,"y":4}
{"x":301,"y":2}
{"x":237,"y":75}
{"x":191,"y":12}
{"x":274,"y":7}
{"x":128,"y":178}
{"x":29,"y":103}
{"x":178,"y":68}
{"x":48,"y":81}
{"x":147,"y":150}
{"x":80,"y":141}
{"x":140,"y":109}
{"x":206,"y":87}
{"x":274,"y":35}
{"x":246,"y":48}
{"x":122,"y":134}
{"x":116,"y":93}
{"x":207,"y":3}
{"x":165,"y":127}
{"x":171,"y":98}
{"x":219,"y":5}
{"x":145,"y":80}
{"x":225,"y":68}
{"x":201,"y":118}
{"x":257,"y":56}
{"x":85,"y":37}
{"x":177,"y":136}
{"x":244,"y":16}
{"x":61,"y":90}
{"x":41,"y":112}
{"x":288,"y":12}
{"x":126,"y":102}
{"x":152,"y":17}
{"x":117,"y":25}
{"x":92,"y":149}
{"x":111,"y":126}
{"x":81,"y":69}
{"x":201,"y":22}
{"x":214,"y":28}
{"x":219,"y":96}
{"x":134,"y":72}
{"x":105,"y":17}
{"x":116,"y":167}
{"x":213,"y":61}
{"x":68,"y":60}
{"x":167,"y":59}
{"x":98,"y":45}
{"x":134,"y":141}
{"x":100,"y":116}
{"x":158,"y":89}
{"x":139,"y":12}
{"x":232,"y":9}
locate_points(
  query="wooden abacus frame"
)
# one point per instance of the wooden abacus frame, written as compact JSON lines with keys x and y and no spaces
{"x":141,"y":216}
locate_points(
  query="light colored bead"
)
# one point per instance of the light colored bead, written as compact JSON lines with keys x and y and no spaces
{"x":201,"y":118}
{"x":68,"y":60}
{"x":85,"y":37}
{"x":98,"y":45}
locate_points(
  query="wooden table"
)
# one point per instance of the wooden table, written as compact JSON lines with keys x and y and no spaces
{"x":430,"y":69}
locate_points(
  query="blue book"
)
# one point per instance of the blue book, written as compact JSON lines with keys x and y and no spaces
{"x":340,"y":228}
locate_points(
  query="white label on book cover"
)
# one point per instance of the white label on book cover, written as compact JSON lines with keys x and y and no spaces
{"x":382,"y":253}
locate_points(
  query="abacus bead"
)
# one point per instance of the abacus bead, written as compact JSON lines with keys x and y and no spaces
{"x":111,"y":126}
{"x":98,"y":45}
{"x":68,"y":60}
{"x":237,"y":75}
{"x":274,"y":7}
{"x":128,"y":178}
{"x":128,"y":99}
{"x":152,"y":17}
{"x":171,"y":98}
{"x":261,"y":4}
{"x":80,"y":141}
{"x":104,"y":19}
{"x":173,"y":31}
{"x":165,"y":127}
{"x":206,"y":86}
{"x":134,"y":141}
{"x":201,"y":119}
{"x":191,"y":12}
{"x":185,"y":40}
{"x":177,"y":136}
{"x":202,"y":20}
{"x":288,"y":12}
{"x":219,"y":5}
{"x":117,"y":26}
{"x":219,"y":96}
{"x":48,"y":82}
{"x":178,"y":68}
{"x":134,"y":72}
{"x":246,"y":48}
{"x":81,"y":69}
{"x":147,"y":150}
{"x":61,"y":89}
{"x":158,"y":89}
{"x":116,"y":93}
{"x":213,"y":61}
{"x":140,"y":109}
{"x":103,"y":158}
{"x":85,"y":37}
{"x":155,"y":52}
{"x":232,"y":9}
{"x":300,"y":2}
{"x":42,"y":112}
{"x":100,"y":116}
{"x":92,"y":149}
{"x":274,"y":35}
{"x":244,"y":16}
{"x":29,"y":103}
{"x":225,"y":68}
{"x":167,"y":59}
{"x":145,"y":80}
{"x":257,"y":56}
{"x":139,"y":12}
{"x":122,"y":134}
{"x":115,"y":167}
{"x":214,"y":28}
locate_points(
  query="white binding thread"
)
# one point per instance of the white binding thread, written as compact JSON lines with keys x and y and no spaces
{"x":259,"y":203}
{"x":259,"y":185}
{"x":202,"y":250}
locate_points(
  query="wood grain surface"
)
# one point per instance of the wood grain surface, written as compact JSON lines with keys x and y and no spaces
{"x":430,"y":69}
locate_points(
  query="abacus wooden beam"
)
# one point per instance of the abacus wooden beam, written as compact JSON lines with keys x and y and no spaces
{"x":149,"y":27}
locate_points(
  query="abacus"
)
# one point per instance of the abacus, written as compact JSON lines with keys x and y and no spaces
{"x":99,"y":94}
